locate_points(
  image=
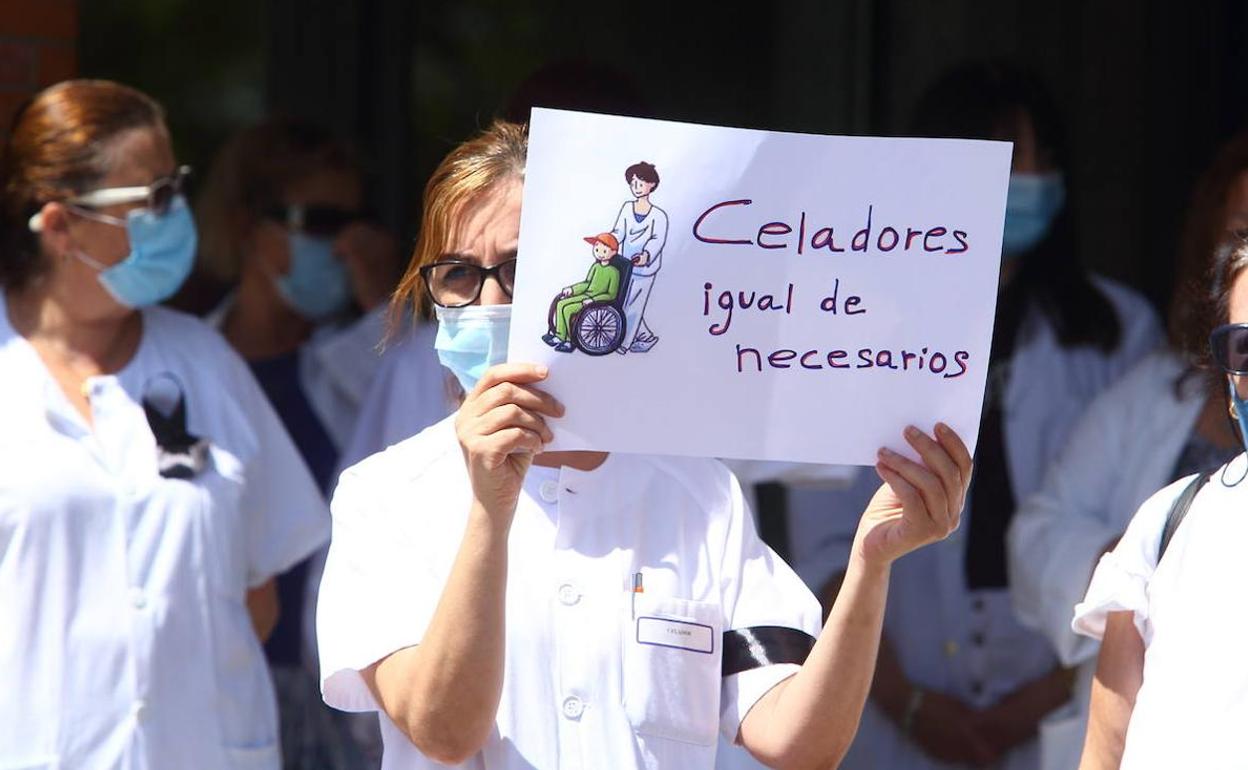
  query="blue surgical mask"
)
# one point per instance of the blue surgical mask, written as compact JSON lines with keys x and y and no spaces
{"x":162,"y":253}
{"x":472,"y":339}
{"x":316,"y":285}
{"x":1030,"y":207}
{"x":1241,"y":412}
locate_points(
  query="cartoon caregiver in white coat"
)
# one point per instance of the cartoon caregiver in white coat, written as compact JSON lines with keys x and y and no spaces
{"x":641,"y":229}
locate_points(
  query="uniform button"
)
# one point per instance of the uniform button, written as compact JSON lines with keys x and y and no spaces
{"x":137,"y":599}
{"x":977,"y":688}
{"x":569,"y":595}
{"x":573,"y":707}
{"x":977,"y":639}
{"x":951,"y":648}
{"x":138,"y":708}
{"x":978,"y":605}
{"x":549,"y":491}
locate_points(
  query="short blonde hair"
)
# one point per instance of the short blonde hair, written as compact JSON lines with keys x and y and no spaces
{"x":493,"y":156}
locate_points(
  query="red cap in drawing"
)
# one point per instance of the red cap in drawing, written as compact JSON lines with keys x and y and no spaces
{"x":606,"y":239}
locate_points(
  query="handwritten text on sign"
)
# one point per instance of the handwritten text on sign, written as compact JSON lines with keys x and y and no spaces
{"x":726,"y":292}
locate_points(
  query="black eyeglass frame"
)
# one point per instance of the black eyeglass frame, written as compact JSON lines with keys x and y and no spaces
{"x":1218,"y":341}
{"x":482,"y":273}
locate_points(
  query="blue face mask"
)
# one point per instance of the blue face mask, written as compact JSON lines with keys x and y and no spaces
{"x":162,"y":253}
{"x":1241,"y":412}
{"x":1030,"y":207}
{"x":317,"y":285}
{"x":472,"y":339}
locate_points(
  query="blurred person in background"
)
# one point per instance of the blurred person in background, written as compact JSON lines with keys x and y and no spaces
{"x":283,"y":220}
{"x":959,"y":681}
{"x":148,"y":492}
{"x":1166,"y":419}
{"x":1170,"y":680}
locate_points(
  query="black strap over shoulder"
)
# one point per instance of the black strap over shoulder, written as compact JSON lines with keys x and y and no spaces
{"x":1179,"y":510}
{"x":758,"y":646}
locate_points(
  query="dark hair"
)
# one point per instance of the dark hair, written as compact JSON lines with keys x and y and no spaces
{"x":644,"y":171}
{"x":1214,"y":308}
{"x":1203,"y":240}
{"x":252,"y":174}
{"x":58,"y":148}
{"x":990,"y":100}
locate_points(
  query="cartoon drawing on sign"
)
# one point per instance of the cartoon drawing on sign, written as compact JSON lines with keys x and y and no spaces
{"x":641,"y":229}
{"x":589,"y":315}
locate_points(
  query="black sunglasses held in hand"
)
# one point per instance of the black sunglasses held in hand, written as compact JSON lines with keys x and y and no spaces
{"x":1229,"y":345}
{"x":456,"y":283}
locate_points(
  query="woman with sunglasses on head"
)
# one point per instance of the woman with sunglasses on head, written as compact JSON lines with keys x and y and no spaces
{"x":1170,"y":678}
{"x":148,"y":493}
{"x":506,"y":607}
{"x":1162,"y":421}
{"x":282,"y":215}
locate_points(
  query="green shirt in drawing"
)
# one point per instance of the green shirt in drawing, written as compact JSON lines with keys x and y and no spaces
{"x":602,"y":283}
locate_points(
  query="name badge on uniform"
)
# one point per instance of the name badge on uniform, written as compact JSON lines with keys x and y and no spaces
{"x":678,"y":634}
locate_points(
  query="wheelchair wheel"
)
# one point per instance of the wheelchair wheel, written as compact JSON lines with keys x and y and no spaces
{"x":598,"y":330}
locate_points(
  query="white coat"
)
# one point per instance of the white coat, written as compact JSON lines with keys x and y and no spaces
{"x":950,"y":639}
{"x":1124,"y":448}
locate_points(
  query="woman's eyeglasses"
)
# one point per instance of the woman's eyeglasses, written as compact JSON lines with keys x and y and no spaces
{"x":156,"y":197}
{"x":456,"y":283}
{"x":1229,"y":345}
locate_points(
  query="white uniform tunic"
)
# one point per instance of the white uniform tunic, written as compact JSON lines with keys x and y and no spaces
{"x":587,"y":682}
{"x":649,"y":234}
{"x":1193,"y":704}
{"x":125,"y":640}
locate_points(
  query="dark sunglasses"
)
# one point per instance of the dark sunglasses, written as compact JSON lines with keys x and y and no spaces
{"x":457,"y":283}
{"x":1229,"y":345}
{"x":326,"y":221}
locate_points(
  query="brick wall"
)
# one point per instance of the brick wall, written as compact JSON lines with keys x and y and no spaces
{"x":38,"y":41}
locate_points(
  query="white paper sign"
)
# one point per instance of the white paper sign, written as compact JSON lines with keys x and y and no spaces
{"x":775,"y":296}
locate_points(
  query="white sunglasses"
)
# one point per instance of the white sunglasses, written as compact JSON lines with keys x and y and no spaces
{"x":158,"y":195}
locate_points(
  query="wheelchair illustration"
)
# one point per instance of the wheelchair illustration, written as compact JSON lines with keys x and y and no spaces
{"x":599,"y":327}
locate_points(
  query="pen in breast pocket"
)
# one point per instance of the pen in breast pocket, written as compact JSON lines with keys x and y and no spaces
{"x":638,"y":588}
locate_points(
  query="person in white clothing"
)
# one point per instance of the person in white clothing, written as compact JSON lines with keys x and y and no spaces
{"x":148,"y":493}
{"x":1170,"y":682}
{"x":1164,"y":420}
{"x":641,"y":229}
{"x":507,"y":608}
{"x":960,"y":682}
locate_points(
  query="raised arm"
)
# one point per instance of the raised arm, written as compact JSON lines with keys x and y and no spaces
{"x":1119,"y":673}
{"x":444,"y":692}
{"x":809,"y":720}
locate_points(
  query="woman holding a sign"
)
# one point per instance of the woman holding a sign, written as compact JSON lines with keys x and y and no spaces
{"x":509,"y":608}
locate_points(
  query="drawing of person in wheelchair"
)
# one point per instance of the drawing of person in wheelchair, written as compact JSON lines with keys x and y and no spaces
{"x":589,"y":315}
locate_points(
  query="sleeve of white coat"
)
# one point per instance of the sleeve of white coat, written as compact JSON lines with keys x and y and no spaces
{"x":377,"y":594}
{"x":1059,"y":532}
{"x":287,"y":518}
{"x":1120,"y":582}
{"x":759,"y":590}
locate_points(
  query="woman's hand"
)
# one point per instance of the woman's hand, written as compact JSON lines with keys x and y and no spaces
{"x":918,"y":503}
{"x":501,"y":425}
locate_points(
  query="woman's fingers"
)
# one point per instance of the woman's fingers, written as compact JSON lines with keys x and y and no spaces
{"x":905,"y":491}
{"x":954,"y":445}
{"x":523,"y":396}
{"x":930,"y":488}
{"x":497,"y":447}
{"x":516,"y":373}
{"x":937,"y":460}
{"x":512,"y":416}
